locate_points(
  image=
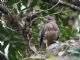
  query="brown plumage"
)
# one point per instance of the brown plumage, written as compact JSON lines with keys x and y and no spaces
{"x":49,"y":33}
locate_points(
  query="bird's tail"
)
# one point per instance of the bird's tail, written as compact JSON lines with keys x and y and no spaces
{"x":41,"y":39}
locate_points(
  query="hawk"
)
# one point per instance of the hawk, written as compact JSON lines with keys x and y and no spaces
{"x":49,"y":33}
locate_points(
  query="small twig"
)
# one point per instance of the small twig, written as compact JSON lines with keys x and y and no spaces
{"x":57,"y":12}
{"x":53,"y":6}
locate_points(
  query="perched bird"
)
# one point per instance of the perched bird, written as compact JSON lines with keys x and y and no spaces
{"x":49,"y":32}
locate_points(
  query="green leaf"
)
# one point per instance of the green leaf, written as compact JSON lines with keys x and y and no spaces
{"x":11,"y":2}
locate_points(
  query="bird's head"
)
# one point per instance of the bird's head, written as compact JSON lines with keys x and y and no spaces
{"x":48,"y":18}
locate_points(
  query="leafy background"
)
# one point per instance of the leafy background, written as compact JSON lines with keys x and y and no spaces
{"x":8,"y":36}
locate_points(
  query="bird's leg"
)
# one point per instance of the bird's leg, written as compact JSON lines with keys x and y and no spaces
{"x":46,"y":43}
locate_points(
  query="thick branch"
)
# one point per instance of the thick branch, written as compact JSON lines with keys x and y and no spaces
{"x":13,"y":18}
{"x":63,"y":3}
{"x":4,"y":9}
{"x":70,"y":5}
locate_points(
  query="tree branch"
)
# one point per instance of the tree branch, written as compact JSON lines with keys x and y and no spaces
{"x":4,"y":9}
{"x":13,"y":18}
{"x":70,"y":5}
{"x":15,"y":22}
{"x":73,"y":6}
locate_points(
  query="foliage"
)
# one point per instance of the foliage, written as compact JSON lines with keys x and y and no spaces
{"x":66,"y":31}
{"x":22,"y":8}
